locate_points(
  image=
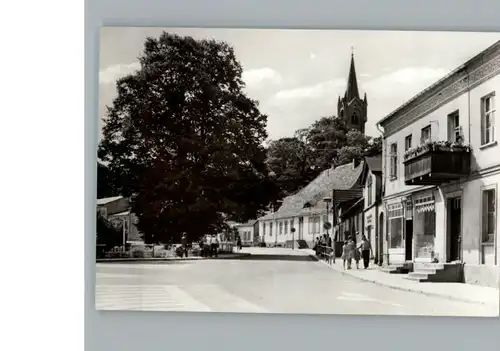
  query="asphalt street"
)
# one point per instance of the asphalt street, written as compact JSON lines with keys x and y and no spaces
{"x":269,"y":281}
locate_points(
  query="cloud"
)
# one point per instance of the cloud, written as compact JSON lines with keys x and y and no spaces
{"x":110,"y":74}
{"x":325,"y":89}
{"x":404,"y":82}
{"x":255,"y":78}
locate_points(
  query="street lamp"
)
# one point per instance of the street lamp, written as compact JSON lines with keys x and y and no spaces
{"x":327,"y":201}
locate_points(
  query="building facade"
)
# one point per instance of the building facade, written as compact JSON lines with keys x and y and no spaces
{"x":441,"y":172}
{"x":117,"y":210}
{"x":373,"y":224}
{"x":309,"y":209}
{"x":247,"y":232}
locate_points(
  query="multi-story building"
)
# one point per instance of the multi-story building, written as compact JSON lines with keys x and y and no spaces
{"x":372,"y":203}
{"x":441,"y":171}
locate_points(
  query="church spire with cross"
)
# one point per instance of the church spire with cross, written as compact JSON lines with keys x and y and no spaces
{"x":351,"y":107}
{"x":352,"y":81}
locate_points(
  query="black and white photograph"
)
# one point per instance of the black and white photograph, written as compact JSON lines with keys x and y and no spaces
{"x":298,"y":172}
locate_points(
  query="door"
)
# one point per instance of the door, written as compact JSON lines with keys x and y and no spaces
{"x":380,"y":241}
{"x":454,"y":231}
{"x":409,"y":240}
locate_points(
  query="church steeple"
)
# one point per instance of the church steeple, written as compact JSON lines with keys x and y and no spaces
{"x":352,"y":82}
{"x":350,"y":107}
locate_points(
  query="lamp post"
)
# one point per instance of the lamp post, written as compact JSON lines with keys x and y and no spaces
{"x":327,"y":225}
{"x":327,"y":201}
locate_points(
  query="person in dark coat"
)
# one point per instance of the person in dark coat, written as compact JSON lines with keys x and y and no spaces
{"x":184,"y":245}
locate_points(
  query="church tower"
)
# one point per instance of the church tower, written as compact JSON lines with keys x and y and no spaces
{"x":351,"y":107}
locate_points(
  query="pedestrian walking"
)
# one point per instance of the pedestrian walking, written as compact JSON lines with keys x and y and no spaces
{"x":215,"y":245}
{"x":316,"y":247}
{"x":351,"y":248}
{"x":345,"y":254}
{"x":366,"y":250}
{"x":209,"y":245}
{"x":184,"y":245}
{"x":239,"y":244}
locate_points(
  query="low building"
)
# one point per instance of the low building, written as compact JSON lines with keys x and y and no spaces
{"x":117,"y":210}
{"x":358,"y":215}
{"x":307,"y":211}
{"x":442,"y":172}
{"x":246,"y":231}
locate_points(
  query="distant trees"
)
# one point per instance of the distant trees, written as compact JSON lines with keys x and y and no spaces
{"x":298,"y":160}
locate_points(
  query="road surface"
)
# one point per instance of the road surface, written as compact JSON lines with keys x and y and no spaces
{"x":269,"y":281}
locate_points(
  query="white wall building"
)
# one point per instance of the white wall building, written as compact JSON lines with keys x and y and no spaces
{"x":309,"y":209}
{"x":440,"y":198}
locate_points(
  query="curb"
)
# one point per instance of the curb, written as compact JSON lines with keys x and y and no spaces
{"x":395,"y":287}
{"x":117,"y":260}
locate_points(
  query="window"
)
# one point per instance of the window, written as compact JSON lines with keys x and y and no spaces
{"x":408,"y":143}
{"x":426,"y":134}
{"x":454,"y":129}
{"x":270,"y":229}
{"x":395,"y":226}
{"x":281,"y":227}
{"x":489,"y":216}
{"x":291,"y":224}
{"x":370,"y":191}
{"x":286,"y":227}
{"x":354,"y":119}
{"x":264,"y":228}
{"x":394,"y":161}
{"x":314,"y":225}
{"x":488,"y":119}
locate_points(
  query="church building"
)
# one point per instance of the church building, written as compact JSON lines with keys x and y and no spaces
{"x":351,"y":107}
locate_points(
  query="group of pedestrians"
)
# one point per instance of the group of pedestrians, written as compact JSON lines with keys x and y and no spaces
{"x":323,"y":246}
{"x":352,"y":251}
{"x":209,"y":246}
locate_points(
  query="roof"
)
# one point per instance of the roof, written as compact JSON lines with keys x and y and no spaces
{"x":434,"y":88}
{"x":247,"y":224}
{"x":126,"y":213}
{"x":107,"y":200}
{"x":353,"y":208}
{"x":341,"y":178}
{"x":352,"y":91}
{"x":374,"y":163}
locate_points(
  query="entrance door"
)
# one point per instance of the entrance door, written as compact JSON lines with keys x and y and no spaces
{"x":380,"y":241}
{"x":454,"y":229}
{"x":301,"y":228}
{"x":409,"y":240}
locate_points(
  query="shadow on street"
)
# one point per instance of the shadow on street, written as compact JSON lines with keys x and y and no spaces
{"x":275,"y":257}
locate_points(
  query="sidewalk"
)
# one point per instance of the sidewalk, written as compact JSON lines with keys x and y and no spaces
{"x":452,"y":291}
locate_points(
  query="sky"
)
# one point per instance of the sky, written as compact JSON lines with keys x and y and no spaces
{"x":297,"y":75}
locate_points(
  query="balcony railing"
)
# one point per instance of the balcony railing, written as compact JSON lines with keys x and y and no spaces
{"x":435,"y":163}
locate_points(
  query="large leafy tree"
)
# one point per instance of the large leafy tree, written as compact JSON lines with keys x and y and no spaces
{"x":185,"y":142}
{"x":106,"y":184}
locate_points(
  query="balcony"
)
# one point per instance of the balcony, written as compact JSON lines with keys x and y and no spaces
{"x":435,"y":163}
